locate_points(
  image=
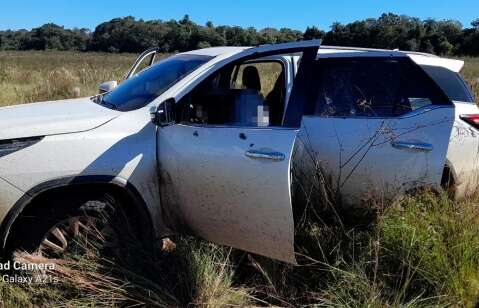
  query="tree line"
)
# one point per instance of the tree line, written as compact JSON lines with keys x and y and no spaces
{"x":389,"y":31}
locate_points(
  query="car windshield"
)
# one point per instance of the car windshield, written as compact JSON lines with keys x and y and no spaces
{"x":141,"y":89}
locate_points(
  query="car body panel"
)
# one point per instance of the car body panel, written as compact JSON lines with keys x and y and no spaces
{"x":51,"y":118}
{"x":123,"y":148}
{"x":360,"y":157}
{"x":463,"y":152}
{"x":419,"y":58}
{"x":9,"y":195}
{"x":451,"y":64}
{"x":217,"y":51}
{"x":224,"y":196}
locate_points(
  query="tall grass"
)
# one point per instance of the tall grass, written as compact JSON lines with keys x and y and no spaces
{"x":433,"y":247}
{"x":423,"y":250}
{"x":420,"y":251}
{"x":38,"y":76}
{"x":198,"y":273}
{"x":471,"y":74}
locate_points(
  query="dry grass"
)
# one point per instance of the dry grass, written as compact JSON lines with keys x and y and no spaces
{"x":38,"y":76}
{"x":48,"y":75}
{"x":197,"y":273}
{"x":471,"y":74}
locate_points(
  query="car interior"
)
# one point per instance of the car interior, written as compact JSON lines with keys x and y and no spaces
{"x":245,"y":94}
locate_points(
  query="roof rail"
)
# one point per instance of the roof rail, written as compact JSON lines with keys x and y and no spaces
{"x":376,"y":49}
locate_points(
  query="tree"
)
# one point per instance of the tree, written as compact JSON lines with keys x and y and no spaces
{"x":128,"y":34}
{"x":475,"y":23}
{"x":312,"y":33}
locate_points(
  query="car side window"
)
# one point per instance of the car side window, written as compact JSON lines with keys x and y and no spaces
{"x":451,"y":83}
{"x":247,"y":94}
{"x":381,"y":87}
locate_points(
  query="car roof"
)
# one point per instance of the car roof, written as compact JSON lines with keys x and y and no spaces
{"x":216,"y":51}
{"x":326,"y":51}
{"x":421,"y":58}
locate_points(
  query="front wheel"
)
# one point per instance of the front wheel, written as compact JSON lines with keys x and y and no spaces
{"x":72,"y":224}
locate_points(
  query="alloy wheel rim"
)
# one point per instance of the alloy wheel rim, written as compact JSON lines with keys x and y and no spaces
{"x":74,"y":234}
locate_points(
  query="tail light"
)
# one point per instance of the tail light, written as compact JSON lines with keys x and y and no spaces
{"x":471,"y":119}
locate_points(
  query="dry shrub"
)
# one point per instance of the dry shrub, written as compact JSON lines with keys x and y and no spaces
{"x":211,"y":273}
{"x":57,"y":84}
{"x":92,"y":280}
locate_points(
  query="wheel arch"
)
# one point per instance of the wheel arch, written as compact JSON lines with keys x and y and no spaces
{"x":449,"y":179}
{"x":119,"y":187}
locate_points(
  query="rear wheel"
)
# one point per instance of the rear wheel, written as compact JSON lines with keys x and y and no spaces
{"x":448,"y":183}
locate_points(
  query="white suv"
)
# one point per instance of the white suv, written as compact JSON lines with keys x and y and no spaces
{"x":206,"y":140}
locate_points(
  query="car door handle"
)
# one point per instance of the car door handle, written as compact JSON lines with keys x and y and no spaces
{"x":418,"y":146}
{"x":265,"y":154}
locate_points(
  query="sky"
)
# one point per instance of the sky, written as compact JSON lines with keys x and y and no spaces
{"x":296,"y":14}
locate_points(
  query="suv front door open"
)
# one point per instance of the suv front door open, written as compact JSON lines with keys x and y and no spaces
{"x":228,"y":180}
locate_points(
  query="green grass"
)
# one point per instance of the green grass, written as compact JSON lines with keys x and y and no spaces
{"x":433,"y":245}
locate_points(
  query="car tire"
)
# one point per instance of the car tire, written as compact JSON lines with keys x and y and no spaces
{"x":54,"y":213}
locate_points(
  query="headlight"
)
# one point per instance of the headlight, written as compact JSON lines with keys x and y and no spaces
{"x":12,"y":145}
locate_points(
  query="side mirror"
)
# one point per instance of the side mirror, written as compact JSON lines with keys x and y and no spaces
{"x":107,"y":86}
{"x":164,"y":115}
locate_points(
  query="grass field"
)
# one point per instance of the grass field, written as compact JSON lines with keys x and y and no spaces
{"x":471,"y":74}
{"x":420,"y":251}
{"x":38,"y":76}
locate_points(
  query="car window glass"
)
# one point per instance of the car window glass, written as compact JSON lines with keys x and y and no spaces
{"x":450,"y":82}
{"x":371,"y":88}
{"x":147,"y":85}
{"x":357,"y":88}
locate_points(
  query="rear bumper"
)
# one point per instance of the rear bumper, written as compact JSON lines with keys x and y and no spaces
{"x":466,"y":183}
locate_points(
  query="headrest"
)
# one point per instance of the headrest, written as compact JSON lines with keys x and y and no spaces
{"x":251,"y":78}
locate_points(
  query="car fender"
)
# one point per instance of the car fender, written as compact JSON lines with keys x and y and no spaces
{"x":77,"y":181}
